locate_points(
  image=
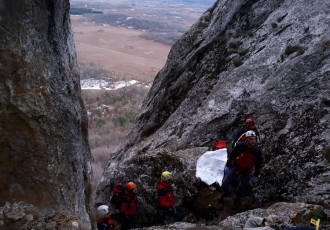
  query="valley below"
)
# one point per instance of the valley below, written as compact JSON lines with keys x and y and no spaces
{"x":121,"y":46}
{"x":130,"y":39}
{"x":117,"y":49}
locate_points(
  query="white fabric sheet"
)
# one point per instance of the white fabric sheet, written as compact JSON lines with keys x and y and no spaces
{"x":210,"y":166}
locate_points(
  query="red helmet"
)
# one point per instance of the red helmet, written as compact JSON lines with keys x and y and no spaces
{"x":249,"y":121}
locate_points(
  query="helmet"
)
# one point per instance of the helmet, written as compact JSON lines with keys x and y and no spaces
{"x":250,"y":133}
{"x":130,"y":186}
{"x":103,"y":210}
{"x":249,"y":121}
{"x":166,"y":176}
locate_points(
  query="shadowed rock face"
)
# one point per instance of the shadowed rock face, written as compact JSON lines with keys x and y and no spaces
{"x":264,"y":59}
{"x":44,"y":159}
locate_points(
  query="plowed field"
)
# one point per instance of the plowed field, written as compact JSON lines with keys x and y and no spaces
{"x":118,"y":49}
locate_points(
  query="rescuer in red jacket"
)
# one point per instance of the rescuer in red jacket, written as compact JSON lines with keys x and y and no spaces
{"x":240,"y":135}
{"x":128,"y":207}
{"x":243,"y":166}
{"x":104,"y":221}
{"x":166,"y":199}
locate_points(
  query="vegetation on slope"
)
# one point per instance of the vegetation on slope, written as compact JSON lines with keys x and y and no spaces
{"x":111,"y":114}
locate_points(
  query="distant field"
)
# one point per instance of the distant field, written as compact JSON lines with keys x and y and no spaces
{"x":118,"y":49}
{"x":130,"y":38}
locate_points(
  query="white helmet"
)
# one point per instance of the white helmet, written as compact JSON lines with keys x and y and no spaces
{"x":250,"y":133}
{"x":103,"y":210}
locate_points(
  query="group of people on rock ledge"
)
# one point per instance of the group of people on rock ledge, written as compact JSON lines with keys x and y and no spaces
{"x":243,"y":167}
{"x":245,"y":157}
{"x":124,"y":205}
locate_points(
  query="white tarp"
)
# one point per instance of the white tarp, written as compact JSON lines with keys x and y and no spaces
{"x":210,"y":166}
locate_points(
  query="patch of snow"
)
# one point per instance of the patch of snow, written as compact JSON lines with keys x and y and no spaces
{"x":75,"y":224}
{"x":211,"y":104}
{"x":93,"y":83}
{"x":121,"y":84}
{"x":106,"y":85}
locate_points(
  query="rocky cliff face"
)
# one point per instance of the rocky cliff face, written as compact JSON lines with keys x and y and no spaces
{"x":244,"y":58}
{"x":44,"y":159}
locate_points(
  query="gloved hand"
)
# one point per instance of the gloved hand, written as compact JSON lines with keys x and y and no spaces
{"x":253,"y":180}
{"x":226,"y":170}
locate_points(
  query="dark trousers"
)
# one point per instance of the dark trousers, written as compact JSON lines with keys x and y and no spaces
{"x":172,"y":212}
{"x":126,"y":222}
{"x":240,"y":184}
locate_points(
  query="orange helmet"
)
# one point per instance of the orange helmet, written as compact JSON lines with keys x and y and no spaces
{"x":130,"y":186}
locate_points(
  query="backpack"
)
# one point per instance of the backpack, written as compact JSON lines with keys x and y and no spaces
{"x":118,"y":193}
{"x":219,"y":144}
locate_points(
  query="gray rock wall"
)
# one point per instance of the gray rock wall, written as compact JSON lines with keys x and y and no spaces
{"x":45,"y":156}
{"x":279,"y":216}
{"x":265,"y":59}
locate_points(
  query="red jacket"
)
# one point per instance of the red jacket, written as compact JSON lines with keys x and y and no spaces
{"x":129,"y":204}
{"x":165,"y":194}
{"x":105,"y":224}
{"x":246,"y":158}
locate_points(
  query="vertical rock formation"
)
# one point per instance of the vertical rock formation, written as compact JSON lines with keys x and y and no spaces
{"x":44,"y":156}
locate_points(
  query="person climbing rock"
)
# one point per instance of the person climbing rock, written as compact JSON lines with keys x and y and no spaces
{"x":166,"y":198}
{"x":240,"y":136}
{"x":129,"y":206}
{"x":104,"y":221}
{"x":242,"y":169}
